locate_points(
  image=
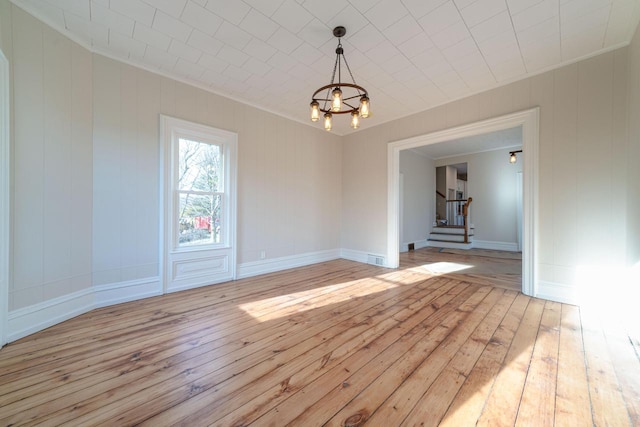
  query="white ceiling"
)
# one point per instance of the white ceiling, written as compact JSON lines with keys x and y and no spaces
{"x":507,"y":139}
{"x":409,"y":54}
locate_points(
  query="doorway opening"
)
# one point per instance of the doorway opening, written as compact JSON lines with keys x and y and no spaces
{"x":528,"y":121}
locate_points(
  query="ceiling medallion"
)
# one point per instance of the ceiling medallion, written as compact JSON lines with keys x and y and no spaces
{"x":338,"y":97}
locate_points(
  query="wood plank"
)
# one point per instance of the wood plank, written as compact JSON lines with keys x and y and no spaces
{"x":572,"y":393}
{"x":607,"y":404}
{"x":537,"y":406}
{"x":470,"y":400}
{"x":501,"y":407}
{"x":430,"y":409}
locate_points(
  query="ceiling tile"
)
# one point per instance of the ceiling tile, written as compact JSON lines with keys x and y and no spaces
{"x":134,"y":9}
{"x":349,"y":18}
{"x":584,"y":43}
{"x":259,"y":50}
{"x":232,"y":35}
{"x":386,"y":13}
{"x":315,"y":33}
{"x":232,"y":11}
{"x":285,"y":41}
{"x":461,"y":49}
{"x":172,"y":7}
{"x":583,"y":23}
{"x":367,"y":38}
{"x":325,"y":10}
{"x":182,"y":50}
{"x":440,"y":18}
{"x":493,"y":26}
{"x":267,"y":7}
{"x":481,"y":10}
{"x":363,"y":5}
{"x":151,"y":37}
{"x":204,"y":43}
{"x":201,"y":18}
{"x":451,"y":35}
{"x":306,"y":54}
{"x":212,"y":63}
{"x":541,"y":31}
{"x":282,"y":62}
{"x":292,"y":16}
{"x":535,"y":14}
{"x":416,"y":45}
{"x":236,"y":73}
{"x":171,"y":26}
{"x":403,"y":30}
{"x":419,"y":8}
{"x":517,"y":6}
{"x":233,"y":56}
{"x":255,"y":66}
{"x":508,"y":70}
{"x":111,"y":19}
{"x":258,"y":25}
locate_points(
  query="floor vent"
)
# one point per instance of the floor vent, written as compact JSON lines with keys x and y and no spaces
{"x":375,"y":260}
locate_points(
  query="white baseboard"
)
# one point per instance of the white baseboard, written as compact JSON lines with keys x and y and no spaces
{"x":255,"y":268}
{"x":27,"y":320}
{"x":559,"y":292}
{"x":363,"y":257}
{"x":496,"y":246}
{"x":116,"y":293}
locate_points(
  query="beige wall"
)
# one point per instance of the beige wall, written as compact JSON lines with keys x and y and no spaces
{"x":583,"y":178}
{"x":52,"y":152}
{"x":633,"y":158}
{"x":86,"y":168}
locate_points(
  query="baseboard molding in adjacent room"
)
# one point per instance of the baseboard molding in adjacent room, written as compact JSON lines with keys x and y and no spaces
{"x":131,"y":290}
{"x":27,"y":320}
{"x":255,"y":268}
{"x":419,"y":244}
{"x":496,"y":246}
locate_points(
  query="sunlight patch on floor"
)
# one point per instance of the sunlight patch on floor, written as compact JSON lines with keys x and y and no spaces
{"x":297,"y":302}
{"x":445,"y":267}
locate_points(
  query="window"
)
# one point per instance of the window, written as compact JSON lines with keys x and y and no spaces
{"x":200,"y":192}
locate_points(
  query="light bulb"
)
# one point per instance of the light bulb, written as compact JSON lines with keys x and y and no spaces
{"x":327,"y":121}
{"x":364,"y":107}
{"x":336,"y":99}
{"x":355,"y":119}
{"x":315,"y":111}
{"x":513,"y":158}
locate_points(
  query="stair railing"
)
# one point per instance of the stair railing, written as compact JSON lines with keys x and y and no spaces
{"x":465,"y":214}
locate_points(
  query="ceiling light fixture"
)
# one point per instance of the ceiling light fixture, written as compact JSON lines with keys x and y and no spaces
{"x":339,"y":97}
{"x":512,"y":156}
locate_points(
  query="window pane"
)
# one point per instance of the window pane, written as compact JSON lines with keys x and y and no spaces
{"x":199,"y":219}
{"x":200,"y":166}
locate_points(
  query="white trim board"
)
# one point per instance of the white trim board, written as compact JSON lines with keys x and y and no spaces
{"x":255,"y":268}
{"x":5,"y":198}
{"x":529,"y":120}
{"x":28,"y":320}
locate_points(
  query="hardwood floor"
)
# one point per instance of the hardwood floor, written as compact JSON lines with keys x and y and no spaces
{"x":337,"y":343}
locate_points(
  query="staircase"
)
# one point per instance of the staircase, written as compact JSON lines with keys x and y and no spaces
{"x":450,"y":237}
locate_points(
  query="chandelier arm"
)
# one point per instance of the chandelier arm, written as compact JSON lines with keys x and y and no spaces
{"x":328,"y":87}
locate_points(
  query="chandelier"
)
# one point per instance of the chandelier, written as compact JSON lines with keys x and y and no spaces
{"x":338,"y":97}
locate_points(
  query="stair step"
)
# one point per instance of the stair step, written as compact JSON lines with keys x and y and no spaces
{"x":443,"y":237}
{"x":450,"y":230}
{"x":449,"y":245}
